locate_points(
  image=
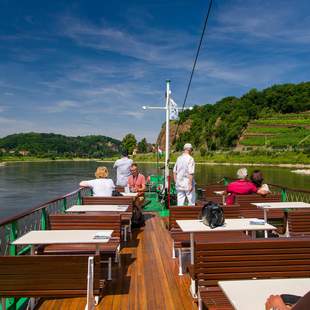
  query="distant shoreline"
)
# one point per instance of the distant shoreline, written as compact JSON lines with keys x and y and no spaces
{"x":304,"y":166}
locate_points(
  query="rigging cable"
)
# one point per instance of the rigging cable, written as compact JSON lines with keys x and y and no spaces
{"x":194,"y":66}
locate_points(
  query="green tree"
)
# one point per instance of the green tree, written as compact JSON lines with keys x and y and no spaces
{"x":142,"y":146}
{"x":129,"y":142}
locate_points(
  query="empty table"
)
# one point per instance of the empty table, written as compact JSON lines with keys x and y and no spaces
{"x":98,"y":208}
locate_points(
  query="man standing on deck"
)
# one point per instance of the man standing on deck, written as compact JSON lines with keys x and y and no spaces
{"x":123,"y":169}
{"x":183,"y":173}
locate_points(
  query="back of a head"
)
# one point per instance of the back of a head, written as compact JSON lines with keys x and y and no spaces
{"x":125,"y":153}
{"x":257,"y":178}
{"x":187,"y":147}
{"x":242,"y":173}
{"x":102,"y":172}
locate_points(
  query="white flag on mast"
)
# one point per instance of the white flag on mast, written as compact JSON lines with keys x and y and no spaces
{"x":174,"y":113}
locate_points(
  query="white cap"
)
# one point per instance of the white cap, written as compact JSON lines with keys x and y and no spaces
{"x":242,"y":173}
{"x":187,"y":146}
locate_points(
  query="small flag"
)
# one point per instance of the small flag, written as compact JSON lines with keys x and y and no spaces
{"x":160,"y":151}
{"x":174,"y":113}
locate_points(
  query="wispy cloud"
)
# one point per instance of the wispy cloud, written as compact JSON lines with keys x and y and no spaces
{"x":60,"y":106}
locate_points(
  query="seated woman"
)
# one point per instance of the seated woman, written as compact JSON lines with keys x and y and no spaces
{"x":241,"y":187}
{"x":101,"y":186}
{"x":257,"y":179}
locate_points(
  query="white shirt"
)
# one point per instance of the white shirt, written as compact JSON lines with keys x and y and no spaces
{"x":122,"y":170}
{"x":184,"y":167}
{"x":101,"y":187}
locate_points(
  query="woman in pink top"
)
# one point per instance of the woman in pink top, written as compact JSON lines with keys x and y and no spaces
{"x":241,"y":187}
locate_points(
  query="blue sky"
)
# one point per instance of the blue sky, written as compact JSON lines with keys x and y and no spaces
{"x":87,"y":67}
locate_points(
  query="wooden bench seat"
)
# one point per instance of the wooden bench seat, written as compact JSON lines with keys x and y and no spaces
{"x":299,"y":222}
{"x":49,"y":276}
{"x":247,"y":259}
{"x":114,"y":200}
{"x":208,"y":191}
{"x":86,"y":221}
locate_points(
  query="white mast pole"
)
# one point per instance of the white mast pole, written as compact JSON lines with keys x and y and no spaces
{"x":167,"y":132}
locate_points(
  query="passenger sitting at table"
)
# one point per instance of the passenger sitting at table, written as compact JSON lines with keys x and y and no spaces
{"x":257,"y":179}
{"x":277,"y":303}
{"x":241,"y":187}
{"x":101,"y":186}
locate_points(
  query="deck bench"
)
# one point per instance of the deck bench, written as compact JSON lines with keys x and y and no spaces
{"x":85,"y":221}
{"x":114,"y":200}
{"x":246,"y":259}
{"x":50,"y":276}
{"x":181,"y":240}
{"x":299,"y":222}
{"x":208,"y":191}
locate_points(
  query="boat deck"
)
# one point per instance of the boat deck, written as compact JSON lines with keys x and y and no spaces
{"x":148,"y":278}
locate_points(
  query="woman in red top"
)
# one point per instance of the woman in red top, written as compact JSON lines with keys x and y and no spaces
{"x":241,"y":187}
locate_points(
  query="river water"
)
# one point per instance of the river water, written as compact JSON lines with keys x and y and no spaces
{"x":26,"y":185}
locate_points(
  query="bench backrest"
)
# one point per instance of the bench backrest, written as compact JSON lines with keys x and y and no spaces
{"x":193,"y":213}
{"x":248,"y":210}
{"x":86,"y":222}
{"x":247,"y":259}
{"x":230,"y":212}
{"x":43,"y":275}
{"x":299,"y":222}
{"x":182,"y":213}
{"x":114,"y":200}
{"x":209,"y":190}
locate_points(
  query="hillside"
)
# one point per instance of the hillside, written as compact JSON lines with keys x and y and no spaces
{"x":219,"y":126}
{"x":280,"y":131}
{"x":49,"y":145}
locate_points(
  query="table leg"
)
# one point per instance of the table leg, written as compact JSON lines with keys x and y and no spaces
{"x":192,"y":248}
{"x":287,"y":233}
{"x":265,"y":219}
{"x":32,"y":250}
{"x":97,"y":249}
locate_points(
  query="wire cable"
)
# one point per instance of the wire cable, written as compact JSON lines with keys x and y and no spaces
{"x":194,"y":66}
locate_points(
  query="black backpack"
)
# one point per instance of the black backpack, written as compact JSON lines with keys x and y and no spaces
{"x":212,"y":214}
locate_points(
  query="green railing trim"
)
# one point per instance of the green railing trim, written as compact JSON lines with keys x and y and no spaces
{"x":43,"y":219}
{"x":64,"y":204}
{"x":24,"y":250}
{"x":283,"y":194}
{"x":79,"y":198}
{"x":13,"y":235}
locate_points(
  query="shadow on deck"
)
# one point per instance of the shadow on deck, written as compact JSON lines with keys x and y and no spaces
{"x":148,"y":278}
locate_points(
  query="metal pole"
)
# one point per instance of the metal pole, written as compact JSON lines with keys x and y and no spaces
{"x":167,"y":133}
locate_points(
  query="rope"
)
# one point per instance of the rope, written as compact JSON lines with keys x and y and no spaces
{"x":194,"y":66}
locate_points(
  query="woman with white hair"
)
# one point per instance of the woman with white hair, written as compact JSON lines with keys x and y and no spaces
{"x":241,"y":187}
{"x":101,"y":186}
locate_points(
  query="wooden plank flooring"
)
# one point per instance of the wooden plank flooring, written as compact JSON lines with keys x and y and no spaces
{"x":148,"y":278}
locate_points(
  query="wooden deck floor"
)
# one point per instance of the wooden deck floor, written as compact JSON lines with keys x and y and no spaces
{"x":148,"y":278}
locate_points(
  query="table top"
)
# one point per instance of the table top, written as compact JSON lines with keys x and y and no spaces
{"x":129,"y":194}
{"x":230,"y":225}
{"x":282,"y":205}
{"x":221,"y":193}
{"x":98,"y":208}
{"x":252,"y":294}
{"x":63,"y":237}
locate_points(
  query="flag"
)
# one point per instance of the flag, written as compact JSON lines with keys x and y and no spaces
{"x":174,"y":113}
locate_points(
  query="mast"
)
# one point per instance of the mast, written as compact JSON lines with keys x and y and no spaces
{"x":167,"y":148}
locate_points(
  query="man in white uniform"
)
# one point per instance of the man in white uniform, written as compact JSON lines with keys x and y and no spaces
{"x":183,"y":173}
{"x":123,"y":169}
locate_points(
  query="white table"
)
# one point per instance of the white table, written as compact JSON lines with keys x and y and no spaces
{"x":266,"y":206}
{"x":129,"y":194}
{"x":98,"y":208}
{"x":192,"y":226}
{"x":253,"y":294}
{"x":63,"y":237}
{"x":221,"y":193}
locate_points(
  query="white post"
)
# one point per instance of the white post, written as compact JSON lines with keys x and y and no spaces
{"x":167,"y":132}
{"x":90,"y":285}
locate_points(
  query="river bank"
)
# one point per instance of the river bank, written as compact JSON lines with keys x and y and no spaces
{"x":285,"y":159}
